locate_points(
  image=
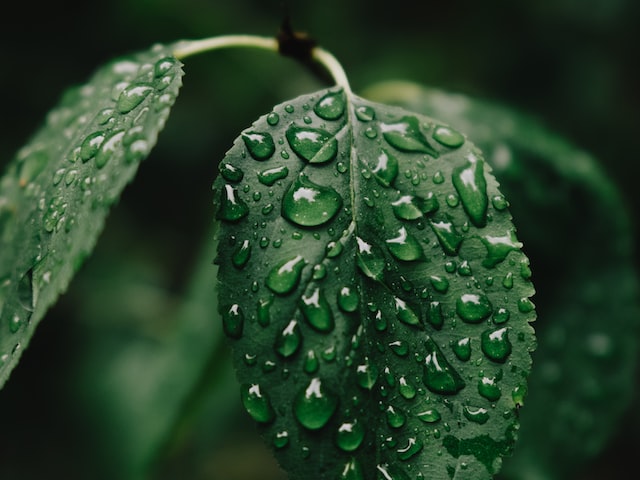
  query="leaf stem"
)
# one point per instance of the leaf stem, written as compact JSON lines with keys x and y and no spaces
{"x":187,"y":48}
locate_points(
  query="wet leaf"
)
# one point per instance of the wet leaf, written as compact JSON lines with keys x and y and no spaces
{"x":56,"y":193}
{"x":578,"y":234}
{"x":382,"y":297}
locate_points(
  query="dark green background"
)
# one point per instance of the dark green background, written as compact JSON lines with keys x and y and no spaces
{"x":574,"y":64}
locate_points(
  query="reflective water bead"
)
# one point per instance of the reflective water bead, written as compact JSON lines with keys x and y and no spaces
{"x":257,"y":403}
{"x":285,"y":276}
{"x":271,"y":175}
{"x":233,"y":321}
{"x":470,"y":183}
{"x":317,"y":311}
{"x":525,"y":305}
{"x":311,"y":362}
{"x":367,"y":375}
{"x":462,"y":348}
{"x":370,"y":260}
{"x":263,"y":311}
{"x":406,"y":136}
{"x":473,"y":307}
{"x":489,"y":389}
{"x":413,"y":447}
{"x":260,"y":145}
{"x":90,"y":145}
{"x":348,"y":299}
{"x":232,"y":208}
{"x":476,"y":414}
{"x":273,"y":118}
{"x":430,"y":415}
{"x":448,"y":236}
{"x":241,"y":254}
{"x":439,"y":283}
{"x":350,"y":435}
{"x":434,"y":315}
{"x":289,"y":340}
{"x":365,"y":113}
{"x":281,"y":439}
{"x":313,"y":145}
{"x":132,"y":96}
{"x":308,"y":204}
{"x":501,"y":315}
{"x":405,"y":247}
{"x":405,"y":313}
{"x":439,"y":375}
{"x":230,"y":172}
{"x":448,"y":137}
{"x":331,"y":106}
{"x":406,"y":388}
{"x":498,"y":247}
{"x":314,"y":405}
{"x":386,"y":168}
{"x":351,"y":471}
{"x":396,"y":418}
{"x":495,"y":344}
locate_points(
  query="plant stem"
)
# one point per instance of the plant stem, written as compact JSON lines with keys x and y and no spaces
{"x":187,"y":48}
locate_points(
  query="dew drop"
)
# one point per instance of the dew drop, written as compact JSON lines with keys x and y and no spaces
{"x":439,"y":376}
{"x":314,"y":405}
{"x":316,"y":311}
{"x":439,"y":283}
{"x":365,"y":113}
{"x":448,"y":137}
{"x":334,"y":249}
{"x":476,"y":414}
{"x":331,"y":106}
{"x":367,"y":375}
{"x":241,"y":254}
{"x":406,"y":388}
{"x":348,"y":299}
{"x":352,"y":471}
{"x":473,"y":307}
{"x":495,"y":344}
{"x":386,"y":170}
{"x":471,"y":185}
{"x":499,"y":247}
{"x":90,"y":145}
{"x":525,"y":305}
{"x":308,"y":204}
{"x":259,"y":145}
{"x":488,"y":388}
{"x":395,"y":417}
{"x":429,"y":416}
{"x":350,"y":435}
{"x":448,"y":236}
{"x":413,"y":447}
{"x":370,"y":260}
{"x":289,"y":340}
{"x":108,"y":148}
{"x":285,"y":276}
{"x":313,"y":145}
{"x":271,"y":175}
{"x":311,"y":362}
{"x":163,"y":66}
{"x":462,"y":348}
{"x":499,"y":202}
{"x":501,"y":315}
{"x":257,"y":403}
{"x":405,"y":313}
{"x":281,"y":439}
{"x":434,"y":315}
{"x":399,"y":347}
{"x":232,"y":208}
{"x":132,"y":96}
{"x":263,"y":311}
{"x":230,"y":173}
{"x":273,"y":118}
{"x":405,"y":247}
{"x":406,"y":136}
{"x":233,"y":321}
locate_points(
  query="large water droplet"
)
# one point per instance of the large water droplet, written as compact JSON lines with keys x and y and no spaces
{"x":405,"y":247}
{"x":449,"y":238}
{"x":308,"y":204}
{"x":473,"y":307}
{"x":406,"y":136}
{"x":232,"y":208}
{"x":233,"y":321}
{"x":348,"y":299}
{"x":448,"y":137}
{"x":471,"y":185}
{"x":476,"y":414}
{"x":316,"y":311}
{"x":257,"y":403}
{"x":439,"y":375}
{"x":313,"y":145}
{"x":350,"y":435}
{"x":386,"y":170}
{"x":499,"y":247}
{"x":259,"y":145}
{"x":314,"y":405}
{"x":495,"y":344}
{"x":132,"y":96}
{"x":271,"y":175}
{"x":370,"y":260}
{"x":462,"y":348}
{"x":289,"y":340}
{"x":285,"y":276}
{"x":331,"y":106}
{"x":489,"y":389}
{"x":413,"y":447}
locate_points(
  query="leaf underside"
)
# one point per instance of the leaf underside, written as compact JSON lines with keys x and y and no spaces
{"x":57,"y":192}
{"x":374,"y":292}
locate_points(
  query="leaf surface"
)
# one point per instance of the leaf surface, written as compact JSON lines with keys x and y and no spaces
{"x":374,"y":291}
{"x":57,"y":191}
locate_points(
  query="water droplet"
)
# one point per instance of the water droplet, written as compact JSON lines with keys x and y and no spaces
{"x":429,"y":416}
{"x":471,"y":185}
{"x":386,"y":170}
{"x":462,"y":348}
{"x":308,"y":204}
{"x":232,"y":208}
{"x":499,"y":247}
{"x":257,"y":403}
{"x":163,"y":66}
{"x":405,"y":313}
{"x":281,"y":439}
{"x":271,"y":175}
{"x":405,"y":247}
{"x":399,"y":347}
{"x":367,"y":375}
{"x":230,"y":173}
{"x":518,"y":395}
{"x":448,"y":137}
{"x":348,"y":299}
{"x":259,"y":145}
{"x":352,"y":471}
{"x":241,"y":254}
{"x":334,"y":249}
{"x":364,"y":113}
{"x":406,"y":388}
{"x":439,"y":375}
{"x":264,"y":306}
{"x":473,"y":307}
{"x":395,"y":417}
{"x":311,"y":362}
{"x":108,"y":148}
{"x":446,"y":233}
{"x":501,"y":315}
{"x":525,"y":305}
{"x":370,"y":260}
{"x":413,"y":447}
{"x":319,"y":271}
{"x":507,"y":281}
{"x":285,"y":276}
{"x":233,"y":321}
{"x":409,"y":207}
{"x":90,"y":145}
{"x":350,"y":435}
{"x":488,"y":388}
{"x":499,"y":202}
{"x":132,"y":96}
{"x":434,"y":315}
{"x":289,"y":340}
{"x":273,"y":118}
{"x":440,"y":284}
{"x":495,"y":344}
{"x":331,"y":106}
{"x":312,"y":144}
{"x":406,"y":136}
{"x":476,"y":414}
{"x":316,"y":311}
{"x":289,"y":108}
{"x":314,"y":405}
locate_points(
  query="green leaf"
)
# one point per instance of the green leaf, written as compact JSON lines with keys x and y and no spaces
{"x":56,"y":193}
{"x":374,"y":292}
{"x":578,"y":234}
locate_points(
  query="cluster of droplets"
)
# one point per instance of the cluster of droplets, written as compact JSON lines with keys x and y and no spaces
{"x":422,"y":231}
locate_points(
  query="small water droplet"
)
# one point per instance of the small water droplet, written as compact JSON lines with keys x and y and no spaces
{"x":498,"y":247}
{"x":273,"y":118}
{"x":386,"y":170}
{"x":406,"y":136}
{"x":316,"y":311}
{"x":525,"y":305}
{"x":439,"y":283}
{"x":473,"y":307}
{"x":241,"y":254}
{"x":507,"y":281}
{"x":281,"y":439}
{"x":395,"y":417}
{"x":289,"y":340}
{"x":434,"y":315}
{"x":413,"y":447}
{"x":471,"y":185}
{"x":448,"y":236}
{"x":289,"y":108}
{"x":132,"y":96}
{"x":233,"y":321}
{"x":405,"y":247}
{"x":313,"y":145}
{"x":439,"y":375}
{"x":495,"y":344}
{"x":438,"y":178}
{"x":350,"y":435}
{"x":352,"y":471}
{"x":367,"y":375}
{"x":232,"y":208}
{"x":263,"y":311}
{"x":365,"y":113}
{"x":311,"y":362}
{"x":410,"y":207}
{"x":259,"y":145}
{"x":271,"y":175}
{"x":90,"y":145}
{"x":108,"y":148}
{"x":476,"y":414}
{"x":370,"y":260}
{"x":308,"y":204}
{"x":501,"y":315}
{"x":314,"y":405}
{"x":448,"y":137}
{"x":406,"y":388}
{"x":400,"y":348}
{"x":499,"y":202}
{"x":331,"y":106}
{"x":285,"y":276}
{"x":348,"y":299}
{"x":462,"y":348}
{"x":488,"y":388}
{"x":430,"y":415}
{"x":257,"y":403}
{"x":230,"y":173}
{"x":405,"y":313}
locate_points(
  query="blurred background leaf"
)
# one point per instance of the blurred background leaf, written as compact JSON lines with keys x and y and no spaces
{"x":572,"y":64}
